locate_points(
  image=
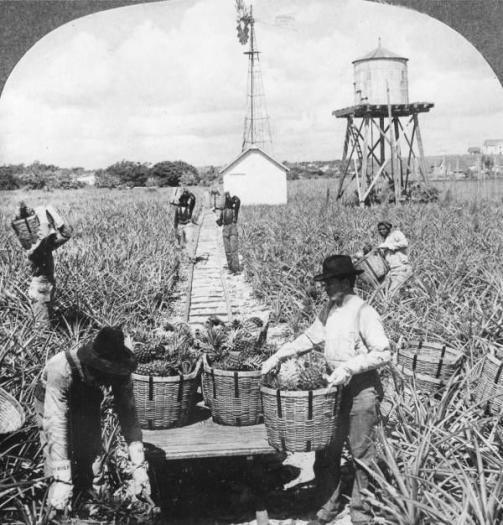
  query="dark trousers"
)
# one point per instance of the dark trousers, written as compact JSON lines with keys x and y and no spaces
{"x":356,"y":423}
{"x":230,"y":236}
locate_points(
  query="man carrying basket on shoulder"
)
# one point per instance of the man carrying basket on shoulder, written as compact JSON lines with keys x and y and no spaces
{"x":355,"y":347}
{"x":395,"y":250}
{"x":184,"y":226}
{"x":53,"y":232}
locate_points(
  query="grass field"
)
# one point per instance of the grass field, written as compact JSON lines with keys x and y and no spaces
{"x":441,"y":457}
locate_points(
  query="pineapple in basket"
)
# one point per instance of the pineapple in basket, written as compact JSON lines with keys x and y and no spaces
{"x":300,"y":373}
{"x":168,"y":354}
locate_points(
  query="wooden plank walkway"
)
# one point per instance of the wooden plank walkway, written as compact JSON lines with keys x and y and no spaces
{"x":213,"y":290}
{"x":205,"y":439}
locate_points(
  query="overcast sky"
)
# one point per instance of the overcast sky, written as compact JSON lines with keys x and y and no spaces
{"x":167,"y":81}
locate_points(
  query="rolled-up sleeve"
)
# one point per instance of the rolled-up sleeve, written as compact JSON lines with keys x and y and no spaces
{"x":396,"y":241}
{"x":56,"y":409}
{"x":375,"y":340}
{"x":316,"y":332}
{"x":126,"y":410}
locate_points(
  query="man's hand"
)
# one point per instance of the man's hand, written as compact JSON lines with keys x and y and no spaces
{"x":128,"y":342}
{"x":270,"y":364}
{"x":60,"y":495}
{"x":61,"y":489}
{"x":141,"y":483}
{"x":340,"y":376}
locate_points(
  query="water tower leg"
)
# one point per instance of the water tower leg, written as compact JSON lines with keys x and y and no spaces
{"x":398,"y":152}
{"x":422,"y":167}
{"x":363,"y":178}
{"x":382,"y":152}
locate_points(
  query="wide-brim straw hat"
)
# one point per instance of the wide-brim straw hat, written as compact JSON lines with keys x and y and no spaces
{"x":108,"y":354}
{"x":338,"y":266}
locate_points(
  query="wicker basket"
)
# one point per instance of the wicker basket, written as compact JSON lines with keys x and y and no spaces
{"x":12,"y":414}
{"x":429,"y":359}
{"x":374,"y":268}
{"x":489,"y":386}
{"x":89,"y":521}
{"x":300,"y":421}
{"x":422,"y":382}
{"x":27,"y":230}
{"x":165,"y":402}
{"x":233,"y":397}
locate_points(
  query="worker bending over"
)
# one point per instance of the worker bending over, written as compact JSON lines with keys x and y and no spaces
{"x":68,"y":400}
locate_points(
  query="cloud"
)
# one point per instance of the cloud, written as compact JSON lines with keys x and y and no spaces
{"x":168,"y":80}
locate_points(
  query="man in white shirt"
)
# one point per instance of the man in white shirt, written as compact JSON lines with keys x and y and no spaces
{"x":355,"y":346}
{"x":395,"y":248}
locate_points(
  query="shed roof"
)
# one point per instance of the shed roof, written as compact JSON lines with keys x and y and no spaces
{"x":252,"y":149}
{"x":380,"y":53}
{"x":493,"y":142}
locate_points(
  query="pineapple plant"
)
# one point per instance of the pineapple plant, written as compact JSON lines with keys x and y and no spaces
{"x":300,"y":373}
{"x":166,"y":354}
{"x":238,"y":345}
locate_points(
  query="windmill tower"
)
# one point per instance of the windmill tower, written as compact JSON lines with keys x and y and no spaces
{"x":383,"y":138}
{"x":257,"y":129}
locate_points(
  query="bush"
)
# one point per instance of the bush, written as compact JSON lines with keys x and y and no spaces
{"x":175,"y":173}
{"x":127,"y":173}
{"x":8,"y":180}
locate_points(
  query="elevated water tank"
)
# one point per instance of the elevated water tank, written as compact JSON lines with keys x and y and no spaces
{"x":376,"y":72}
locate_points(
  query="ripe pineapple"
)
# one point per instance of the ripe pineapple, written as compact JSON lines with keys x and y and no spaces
{"x":289,"y":374}
{"x":256,"y":321}
{"x":143,"y":353}
{"x":311,"y":378}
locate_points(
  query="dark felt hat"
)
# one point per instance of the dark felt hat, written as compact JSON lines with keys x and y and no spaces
{"x":386,"y":224}
{"x":337,"y":266}
{"x":107,"y":353}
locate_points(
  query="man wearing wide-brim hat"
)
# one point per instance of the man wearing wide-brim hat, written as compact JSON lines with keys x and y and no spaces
{"x":355,"y":347}
{"x":68,"y":404}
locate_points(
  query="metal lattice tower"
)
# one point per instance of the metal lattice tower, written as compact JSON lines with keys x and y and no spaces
{"x":257,"y":128}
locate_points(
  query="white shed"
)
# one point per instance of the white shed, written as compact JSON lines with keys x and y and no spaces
{"x":256,"y":178}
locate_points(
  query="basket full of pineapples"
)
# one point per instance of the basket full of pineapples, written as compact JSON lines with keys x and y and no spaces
{"x":233,"y":356}
{"x":167,"y":377}
{"x":300,"y":413}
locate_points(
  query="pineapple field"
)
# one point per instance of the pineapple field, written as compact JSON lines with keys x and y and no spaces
{"x":440,"y":453}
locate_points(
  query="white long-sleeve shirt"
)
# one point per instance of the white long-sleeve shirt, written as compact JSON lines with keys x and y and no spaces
{"x":57,"y":381}
{"x":396,"y":250}
{"x":353,"y":334}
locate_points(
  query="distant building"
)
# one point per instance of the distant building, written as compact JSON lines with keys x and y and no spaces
{"x":89,"y":178}
{"x":256,"y":178}
{"x":474,"y":150}
{"x":493,"y":147}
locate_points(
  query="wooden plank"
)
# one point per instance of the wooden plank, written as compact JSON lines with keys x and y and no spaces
{"x":205,"y":299}
{"x":206,"y":439}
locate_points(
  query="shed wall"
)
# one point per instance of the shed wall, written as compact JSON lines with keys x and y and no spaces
{"x":256,"y":180}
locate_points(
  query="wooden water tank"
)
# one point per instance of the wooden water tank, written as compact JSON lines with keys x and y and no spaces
{"x":375,"y":73}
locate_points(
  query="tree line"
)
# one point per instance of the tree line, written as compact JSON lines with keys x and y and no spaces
{"x":122,"y":174}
